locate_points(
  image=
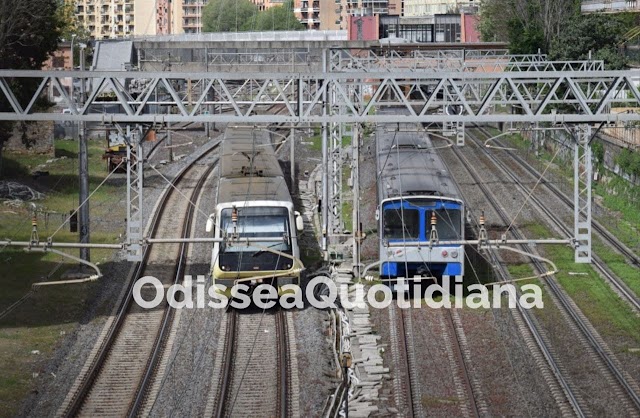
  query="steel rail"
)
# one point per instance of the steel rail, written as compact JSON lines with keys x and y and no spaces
{"x":563,"y":298}
{"x":600,"y":265}
{"x":457,"y":347}
{"x":406,"y":362}
{"x":169,"y":314}
{"x":533,"y":328}
{"x":75,"y":404}
{"x":613,"y":240}
{"x":284,"y":361}
{"x":229,"y":374}
{"x":228,"y":353}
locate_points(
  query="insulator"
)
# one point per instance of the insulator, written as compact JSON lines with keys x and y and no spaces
{"x":234,"y":215}
{"x":34,"y":221}
{"x":434,"y":220}
{"x":482,"y":219}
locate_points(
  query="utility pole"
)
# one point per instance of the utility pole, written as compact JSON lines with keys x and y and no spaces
{"x":346,"y":361}
{"x":83,"y":161}
{"x":355,"y":177}
{"x":169,"y":142}
{"x":292,"y":160}
{"x":325,"y":166}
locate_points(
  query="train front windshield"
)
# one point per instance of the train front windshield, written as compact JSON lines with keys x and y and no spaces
{"x":409,"y":220}
{"x":256,"y":222}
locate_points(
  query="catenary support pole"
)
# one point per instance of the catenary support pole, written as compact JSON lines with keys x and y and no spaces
{"x":170,"y":141}
{"x":83,"y":161}
{"x":582,"y":172}
{"x":292,"y":159}
{"x":325,"y":165}
{"x":355,"y":177}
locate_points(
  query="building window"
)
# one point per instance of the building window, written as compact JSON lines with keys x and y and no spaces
{"x":58,"y":62}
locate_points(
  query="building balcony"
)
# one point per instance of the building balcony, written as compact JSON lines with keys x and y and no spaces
{"x":609,"y":6}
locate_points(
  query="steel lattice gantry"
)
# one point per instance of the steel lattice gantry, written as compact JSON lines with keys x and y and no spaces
{"x":368,"y":60}
{"x":336,"y":98}
{"x":569,"y":97}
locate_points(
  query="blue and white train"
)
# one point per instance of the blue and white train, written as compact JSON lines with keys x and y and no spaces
{"x":419,"y":207}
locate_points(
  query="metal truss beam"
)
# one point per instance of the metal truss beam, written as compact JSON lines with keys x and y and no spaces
{"x":582,"y":174}
{"x":349,"y":60}
{"x":570,"y":97}
{"x":135,"y":177}
{"x":335,"y":175}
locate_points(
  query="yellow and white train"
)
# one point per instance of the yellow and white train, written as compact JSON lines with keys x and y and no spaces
{"x":253,"y":203}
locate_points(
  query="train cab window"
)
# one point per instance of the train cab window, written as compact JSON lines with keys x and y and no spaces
{"x":256,"y":222}
{"x":401,"y":224}
{"x":449,"y":224}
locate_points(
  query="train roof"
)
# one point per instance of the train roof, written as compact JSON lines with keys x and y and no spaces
{"x":403,"y":137}
{"x":252,"y":189}
{"x":408,"y":166}
{"x":248,"y":152}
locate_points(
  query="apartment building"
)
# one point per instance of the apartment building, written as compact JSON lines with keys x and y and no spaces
{"x":334,"y":14}
{"x":266,"y":4}
{"x":111,"y":19}
{"x":107,"y":18}
{"x":417,"y":8}
{"x":609,"y":6}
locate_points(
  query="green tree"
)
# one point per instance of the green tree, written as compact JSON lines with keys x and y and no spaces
{"x":229,"y":16}
{"x":527,"y":25}
{"x":69,"y":23}
{"x":595,"y":33}
{"x":29,"y":33}
{"x":278,"y":18}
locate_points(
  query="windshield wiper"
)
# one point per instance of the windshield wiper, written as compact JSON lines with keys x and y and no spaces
{"x":264,"y":251}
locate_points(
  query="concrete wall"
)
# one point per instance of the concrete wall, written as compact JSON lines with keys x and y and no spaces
{"x":31,"y":138}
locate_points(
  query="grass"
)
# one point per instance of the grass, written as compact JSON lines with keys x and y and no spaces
{"x":618,"y":265}
{"x":603,"y":307}
{"x":61,"y":189}
{"x":617,"y":195}
{"x":29,"y":336}
{"x":53,"y":311}
{"x":316,"y":143}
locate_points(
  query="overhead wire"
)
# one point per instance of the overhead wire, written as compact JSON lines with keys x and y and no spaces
{"x":477,"y":280}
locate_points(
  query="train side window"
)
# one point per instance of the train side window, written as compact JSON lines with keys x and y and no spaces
{"x":401,"y":224}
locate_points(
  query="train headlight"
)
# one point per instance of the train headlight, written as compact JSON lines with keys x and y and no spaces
{"x":454,"y":254}
{"x":445,"y":253}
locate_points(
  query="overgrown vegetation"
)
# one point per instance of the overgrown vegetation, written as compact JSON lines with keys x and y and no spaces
{"x":629,"y":162}
{"x":29,"y":335}
{"x":29,"y":33}
{"x":557,"y":28}
{"x":595,"y":34}
{"x":620,"y":198}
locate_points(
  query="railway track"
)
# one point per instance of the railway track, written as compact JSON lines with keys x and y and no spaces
{"x":618,"y":284}
{"x":405,"y":384}
{"x":583,"y":328}
{"x":255,"y":369}
{"x":406,"y":378}
{"x":115,"y":380}
{"x":462,"y":360}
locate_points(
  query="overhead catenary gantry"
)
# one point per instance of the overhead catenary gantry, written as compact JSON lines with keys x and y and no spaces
{"x":555,"y":97}
{"x":351,"y":92}
{"x":369,"y":60}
